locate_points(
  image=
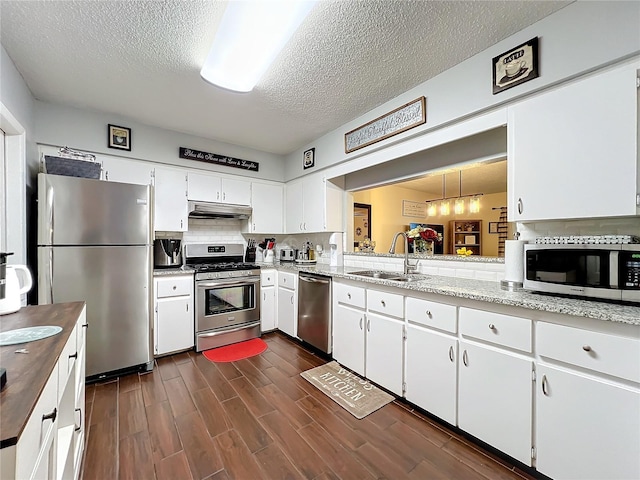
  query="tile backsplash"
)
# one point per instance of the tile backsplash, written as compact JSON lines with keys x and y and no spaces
{"x":603,"y":226}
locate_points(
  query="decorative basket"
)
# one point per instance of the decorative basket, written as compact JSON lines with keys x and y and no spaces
{"x":72,"y":167}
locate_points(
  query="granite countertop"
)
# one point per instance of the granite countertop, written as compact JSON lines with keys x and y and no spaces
{"x":424,"y":256}
{"x":163,"y":272}
{"x":485,"y":291}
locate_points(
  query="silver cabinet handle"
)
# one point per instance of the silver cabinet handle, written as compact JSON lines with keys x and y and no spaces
{"x":224,"y":196}
{"x":361,"y":319}
{"x":383,"y":304}
{"x":368,"y":325}
{"x":291,"y":299}
{"x":492,"y":326}
{"x":520,"y":205}
{"x":465,"y":358}
{"x":428,"y":312}
{"x":586,"y":348}
{"x":545,"y":391}
{"x":264,"y":297}
{"x":451,"y":353}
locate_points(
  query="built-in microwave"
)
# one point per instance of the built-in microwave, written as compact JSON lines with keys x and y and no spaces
{"x":602,"y":271}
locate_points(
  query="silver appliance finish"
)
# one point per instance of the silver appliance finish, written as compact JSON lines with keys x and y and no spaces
{"x":218,"y":210}
{"x":94,"y":245}
{"x":167,"y":252}
{"x":314,"y":310}
{"x":220,"y":276}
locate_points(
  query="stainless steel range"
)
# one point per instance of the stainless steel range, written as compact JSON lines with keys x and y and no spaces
{"x":227,"y":291}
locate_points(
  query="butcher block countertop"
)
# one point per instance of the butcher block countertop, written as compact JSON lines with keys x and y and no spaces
{"x":27,"y":373}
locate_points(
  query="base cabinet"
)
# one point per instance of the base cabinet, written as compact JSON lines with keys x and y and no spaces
{"x":495,"y":399}
{"x":268,"y":312}
{"x":348,"y":337}
{"x":288,"y":303}
{"x":586,"y":428}
{"x":174,"y":328}
{"x":384,"y":348}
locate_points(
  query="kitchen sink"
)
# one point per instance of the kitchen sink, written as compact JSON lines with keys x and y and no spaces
{"x":393,"y":276}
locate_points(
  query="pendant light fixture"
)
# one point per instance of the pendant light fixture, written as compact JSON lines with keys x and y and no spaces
{"x":459,"y":202}
{"x":249,"y":37}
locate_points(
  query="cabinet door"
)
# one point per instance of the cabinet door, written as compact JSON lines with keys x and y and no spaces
{"x":495,"y":399}
{"x":572,"y":152}
{"x":287,"y":311}
{"x":267,"y":203}
{"x":348,"y":337}
{"x":127,"y":171}
{"x":384,"y":350}
{"x":268,"y":309}
{"x":203,"y":187}
{"x":294,"y":209}
{"x":586,"y":428}
{"x":237,"y":192}
{"x":313,"y":201}
{"x":174,"y":325}
{"x":431,"y":372}
{"x":170,"y":201}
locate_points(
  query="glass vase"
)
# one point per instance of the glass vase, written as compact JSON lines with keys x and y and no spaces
{"x":420,"y":245}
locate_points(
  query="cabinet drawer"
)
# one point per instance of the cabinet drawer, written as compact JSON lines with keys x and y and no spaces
{"x":349,"y":295}
{"x":602,"y":352}
{"x":385,"y":303}
{"x":37,"y":431}
{"x":267,"y":278}
{"x":173,"y":286}
{"x":287,"y":280}
{"x":513,"y":332}
{"x":431,"y":314}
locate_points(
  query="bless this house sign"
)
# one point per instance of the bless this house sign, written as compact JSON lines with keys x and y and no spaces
{"x":190,"y":154}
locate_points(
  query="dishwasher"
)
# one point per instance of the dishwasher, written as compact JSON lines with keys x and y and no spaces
{"x":314,"y":310}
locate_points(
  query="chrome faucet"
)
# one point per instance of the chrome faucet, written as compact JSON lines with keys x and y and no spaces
{"x":406,"y":265}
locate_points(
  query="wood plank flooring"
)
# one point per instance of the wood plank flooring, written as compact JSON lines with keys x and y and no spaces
{"x":257,"y":418}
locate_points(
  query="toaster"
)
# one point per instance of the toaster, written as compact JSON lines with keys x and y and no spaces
{"x":287,"y":255}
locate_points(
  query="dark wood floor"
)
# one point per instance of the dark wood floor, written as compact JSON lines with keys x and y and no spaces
{"x":259,"y":419}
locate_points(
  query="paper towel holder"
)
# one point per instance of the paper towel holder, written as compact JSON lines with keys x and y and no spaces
{"x":510,"y":285}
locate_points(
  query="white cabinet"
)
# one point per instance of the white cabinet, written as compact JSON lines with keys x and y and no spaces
{"x":268,"y":313}
{"x":127,"y":171}
{"x":385,"y":340}
{"x":432,"y":357}
{"x":573,"y":151}
{"x":267,"y":203}
{"x":313,"y":204}
{"x":173,"y":314}
{"x":349,"y":326}
{"x":582,"y":405}
{"x":214,"y":188}
{"x":495,"y":396}
{"x":288,"y":303}
{"x":170,"y":211}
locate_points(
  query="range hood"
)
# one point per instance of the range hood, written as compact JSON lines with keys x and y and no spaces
{"x":218,"y":210}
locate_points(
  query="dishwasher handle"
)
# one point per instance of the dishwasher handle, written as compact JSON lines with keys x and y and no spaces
{"x":313,"y":279}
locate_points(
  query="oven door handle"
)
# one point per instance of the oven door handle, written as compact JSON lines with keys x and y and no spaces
{"x":223,"y":283}
{"x":228,"y":330}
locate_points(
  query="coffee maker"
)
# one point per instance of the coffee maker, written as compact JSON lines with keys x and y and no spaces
{"x":167,"y":252}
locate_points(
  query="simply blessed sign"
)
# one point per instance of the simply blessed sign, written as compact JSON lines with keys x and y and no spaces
{"x":190,"y":154}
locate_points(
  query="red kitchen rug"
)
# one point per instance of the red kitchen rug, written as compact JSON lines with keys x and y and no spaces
{"x":236,"y":351}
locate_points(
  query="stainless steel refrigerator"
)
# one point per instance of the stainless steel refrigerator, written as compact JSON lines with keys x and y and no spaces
{"x":94,"y":244}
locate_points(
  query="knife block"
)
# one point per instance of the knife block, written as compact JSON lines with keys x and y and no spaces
{"x":250,"y":255}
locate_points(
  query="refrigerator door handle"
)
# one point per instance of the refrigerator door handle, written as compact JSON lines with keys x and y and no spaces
{"x":51,"y":275}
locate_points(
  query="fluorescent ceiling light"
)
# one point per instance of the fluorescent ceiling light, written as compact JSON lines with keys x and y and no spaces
{"x":249,"y":38}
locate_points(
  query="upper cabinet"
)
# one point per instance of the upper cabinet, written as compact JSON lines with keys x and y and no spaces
{"x":170,"y":213}
{"x":313,"y":204}
{"x":213,"y":188}
{"x":573,"y":151}
{"x":267,"y":203}
{"x":127,"y":171}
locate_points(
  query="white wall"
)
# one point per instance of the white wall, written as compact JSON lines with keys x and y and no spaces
{"x":87,"y":131}
{"x":17,"y":119}
{"x":575,"y":40}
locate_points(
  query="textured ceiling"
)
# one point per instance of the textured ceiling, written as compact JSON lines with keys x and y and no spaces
{"x":142,"y":59}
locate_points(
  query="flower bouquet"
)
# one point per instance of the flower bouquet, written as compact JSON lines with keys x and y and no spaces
{"x":423,"y":239}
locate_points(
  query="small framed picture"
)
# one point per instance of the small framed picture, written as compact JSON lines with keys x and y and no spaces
{"x":119,"y":137}
{"x":493,"y":227}
{"x":516,"y":66}
{"x":309,"y":158}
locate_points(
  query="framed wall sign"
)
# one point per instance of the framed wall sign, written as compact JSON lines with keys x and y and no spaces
{"x":414,"y":209}
{"x":516,"y":66}
{"x":119,"y":137}
{"x":399,"y":120}
{"x":309,"y":158}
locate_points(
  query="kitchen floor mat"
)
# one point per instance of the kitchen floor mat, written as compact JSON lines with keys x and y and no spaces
{"x":357,"y":396}
{"x":236,"y":351}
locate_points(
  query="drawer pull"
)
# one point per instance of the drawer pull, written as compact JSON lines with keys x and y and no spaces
{"x":492,"y":327}
{"x":51,"y":416}
{"x":174,"y":287}
{"x":361,"y":320}
{"x":586,"y":348}
{"x":79,"y":427}
{"x":383,"y":304}
{"x":544,"y":386}
{"x":428,"y":312}
{"x":465,"y":358}
{"x":349,"y":296}
{"x":451,"y":353}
